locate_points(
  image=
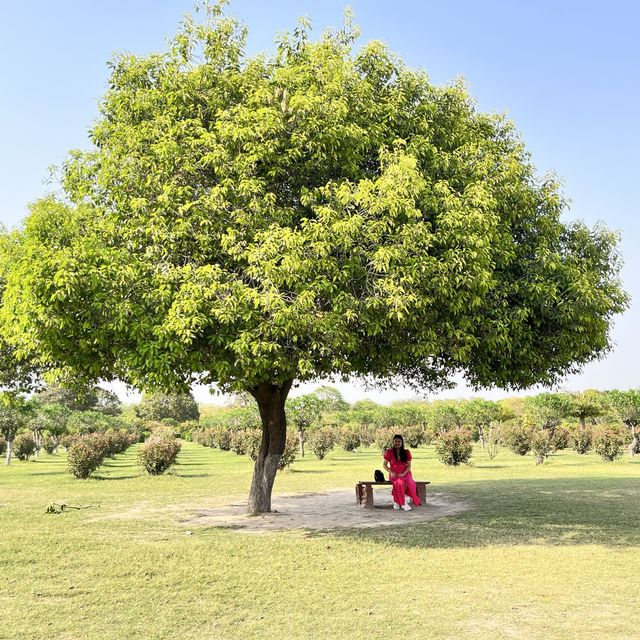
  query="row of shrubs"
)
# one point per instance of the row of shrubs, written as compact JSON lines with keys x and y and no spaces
{"x":85,"y":453}
{"x":608,"y":441}
{"x":243,"y":442}
{"x":452,"y":447}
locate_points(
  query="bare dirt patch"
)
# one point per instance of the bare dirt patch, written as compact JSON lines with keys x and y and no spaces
{"x":326,"y":510}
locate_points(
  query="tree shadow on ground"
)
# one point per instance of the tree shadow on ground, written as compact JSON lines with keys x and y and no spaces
{"x":550,"y":512}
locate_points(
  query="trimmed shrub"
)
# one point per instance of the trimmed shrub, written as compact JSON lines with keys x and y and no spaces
{"x":321,"y":440}
{"x":454,"y":447}
{"x":608,"y":442}
{"x":83,"y":456}
{"x":581,"y":441}
{"x":561,"y":438}
{"x":541,"y":445}
{"x":414,"y":436}
{"x":366,"y":433}
{"x":253,"y":439}
{"x":185,"y":429}
{"x":158,"y":453}
{"x":67,"y":440}
{"x":349,"y":437}
{"x":517,"y":437}
{"x":384,"y":438}
{"x":290,"y":450}
{"x":49,"y":444}
{"x":221,"y":437}
{"x":239,"y":442}
{"x":24,"y":446}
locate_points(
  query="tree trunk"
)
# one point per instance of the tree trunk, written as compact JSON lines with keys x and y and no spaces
{"x":38,"y":441}
{"x":271,"y":400}
{"x":481,"y":434}
{"x":633,"y":447}
{"x":301,"y":441}
{"x":583,"y":424}
{"x":9,"y":447}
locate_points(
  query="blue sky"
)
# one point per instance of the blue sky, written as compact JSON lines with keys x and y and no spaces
{"x":567,"y":73}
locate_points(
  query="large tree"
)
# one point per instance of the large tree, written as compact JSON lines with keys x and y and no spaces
{"x":253,"y":222}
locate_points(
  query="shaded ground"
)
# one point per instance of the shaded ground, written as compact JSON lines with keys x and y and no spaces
{"x":327,"y":510}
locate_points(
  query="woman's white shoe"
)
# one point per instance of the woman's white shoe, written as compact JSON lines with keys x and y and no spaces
{"x":396,"y":505}
{"x":406,"y":507}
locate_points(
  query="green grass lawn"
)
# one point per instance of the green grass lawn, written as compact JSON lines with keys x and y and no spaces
{"x":547,"y":552}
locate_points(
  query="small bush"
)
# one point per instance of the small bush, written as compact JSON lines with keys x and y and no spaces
{"x":454,"y":447}
{"x":581,"y":441}
{"x":384,"y":438}
{"x":414,"y":436}
{"x":203,"y":437}
{"x":349,"y":438}
{"x":517,"y":437}
{"x":561,"y":438}
{"x":49,"y":444}
{"x":253,"y":440}
{"x":239,"y":442}
{"x":24,"y":446}
{"x":186,"y":429}
{"x":83,"y":456}
{"x":290,"y":449}
{"x":608,"y":442}
{"x":366,"y":434}
{"x":221,"y":437}
{"x":321,"y":440}
{"x":67,"y":440}
{"x":541,"y":445}
{"x":157,"y":454}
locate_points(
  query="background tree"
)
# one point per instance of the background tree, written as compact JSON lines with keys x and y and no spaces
{"x":316,"y":213}
{"x":177,"y":406}
{"x":304,"y":411}
{"x":626,"y":407}
{"x":15,"y":413}
{"x":586,"y":404}
{"x":331,"y":399}
{"x":479,"y":414}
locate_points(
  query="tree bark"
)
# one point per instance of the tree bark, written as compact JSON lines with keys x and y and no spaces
{"x":481,"y":435}
{"x":301,"y":442}
{"x":9,"y":447}
{"x":271,"y":400}
{"x":634,"y":441}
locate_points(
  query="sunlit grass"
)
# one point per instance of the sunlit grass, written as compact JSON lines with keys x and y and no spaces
{"x":548,"y":552}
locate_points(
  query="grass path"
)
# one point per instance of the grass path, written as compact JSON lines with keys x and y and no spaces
{"x":549,"y":553}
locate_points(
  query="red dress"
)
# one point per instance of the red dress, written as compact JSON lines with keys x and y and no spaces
{"x":404,"y":485}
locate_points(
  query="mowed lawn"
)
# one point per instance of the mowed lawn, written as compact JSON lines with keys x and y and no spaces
{"x":547,"y":552}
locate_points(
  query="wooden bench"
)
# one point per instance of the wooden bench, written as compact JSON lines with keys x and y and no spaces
{"x":364,"y":491}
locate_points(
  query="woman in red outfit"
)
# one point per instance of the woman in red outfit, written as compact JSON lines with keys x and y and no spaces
{"x":397,"y":461}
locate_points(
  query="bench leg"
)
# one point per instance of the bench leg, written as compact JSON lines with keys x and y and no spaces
{"x":368,"y":496}
{"x":364,"y":495}
{"x":422,"y":493}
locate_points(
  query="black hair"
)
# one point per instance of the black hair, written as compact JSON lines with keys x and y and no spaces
{"x":402,"y":454}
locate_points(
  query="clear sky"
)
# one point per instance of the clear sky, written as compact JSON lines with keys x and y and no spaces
{"x":567,"y":72}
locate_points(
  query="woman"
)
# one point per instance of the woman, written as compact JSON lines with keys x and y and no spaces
{"x":397,"y":461}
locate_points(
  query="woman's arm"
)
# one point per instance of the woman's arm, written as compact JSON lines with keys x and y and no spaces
{"x":387,"y":467}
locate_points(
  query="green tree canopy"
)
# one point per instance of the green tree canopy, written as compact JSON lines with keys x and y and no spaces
{"x":177,"y":406}
{"x":318,"y":212}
